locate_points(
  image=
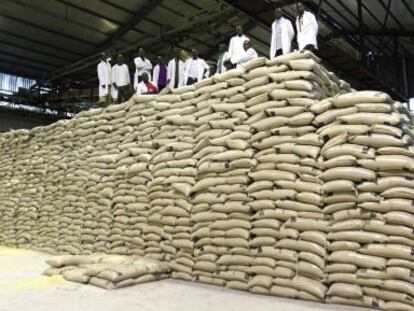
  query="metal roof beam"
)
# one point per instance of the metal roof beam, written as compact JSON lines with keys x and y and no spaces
{"x":346,"y":8}
{"x":143,"y":12}
{"x":409,"y":9}
{"x":388,"y":11}
{"x":47,"y":44}
{"x":202,"y":18}
{"x":34,"y":67}
{"x":33,"y":50}
{"x":339,"y":13}
{"x":385,"y":32}
{"x":27,"y":58}
{"x":52,"y":31}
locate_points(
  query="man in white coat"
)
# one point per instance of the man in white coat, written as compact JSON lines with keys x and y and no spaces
{"x":175,"y":72}
{"x":236,"y":49}
{"x":307,"y":28}
{"x":104,"y":77}
{"x":248,"y":55}
{"x":142,"y":64}
{"x":282,"y":35}
{"x":196,"y":69}
{"x":121,"y":80}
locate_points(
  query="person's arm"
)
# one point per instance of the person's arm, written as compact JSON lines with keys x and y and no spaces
{"x":114,"y":77}
{"x":231,"y":46}
{"x":101,"y":76}
{"x":138,"y":89}
{"x":286,"y":37}
{"x":249,"y":55}
{"x":127,"y":76}
{"x":148,"y":65}
{"x":315,"y":24}
{"x":273,"y":41}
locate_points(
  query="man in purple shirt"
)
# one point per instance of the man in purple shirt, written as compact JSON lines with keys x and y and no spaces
{"x":160,"y":73}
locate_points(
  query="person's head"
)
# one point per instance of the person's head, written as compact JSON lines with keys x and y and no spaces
{"x":120,"y":59}
{"x":239,"y":30}
{"x":160,"y":60}
{"x":300,"y":8}
{"x":141,"y":52}
{"x":222,"y":47}
{"x":247,"y":45}
{"x":194,"y":53}
{"x":177,"y":53}
{"x":145,"y":77}
{"x":102,"y":56}
{"x":278,"y":13}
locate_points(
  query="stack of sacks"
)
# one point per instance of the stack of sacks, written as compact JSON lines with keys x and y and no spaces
{"x":84,"y":141}
{"x":22,"y":191}
{"x":107,"y":271}
{"x":173,"y":172}
{"x":213,"y":126}
{"x":288,"y":227}
{"x":174,"y":175}
{"x":36,"y":178}
{"x":117,"y":185}
{"x":141,"y":117}
{"x":221,"y":215}
{"x":368,"y":194}
{"x":94,"y":170}
{"x":7,"y":201}
{"x":56,"y":136}
{"x":73,"y":204}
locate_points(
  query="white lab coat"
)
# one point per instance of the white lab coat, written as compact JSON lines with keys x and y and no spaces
{"x":104,"y":77}
{"x":141,"y":65}
{"x":236,"y":48}
{"x":226,"y":57}
{"x":171,"y":73}
{"x":199,"y":66}
{"x":120,"y":75}
{"x":246,"y":57}
{"x":142,"y":88}
{"x":282,"y":36}
{"x":307,"y":28}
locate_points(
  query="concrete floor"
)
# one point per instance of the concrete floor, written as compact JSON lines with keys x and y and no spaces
{"x":22,"y":287}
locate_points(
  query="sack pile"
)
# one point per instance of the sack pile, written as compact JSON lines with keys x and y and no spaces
{"x":56,"y":143}
{"x":221,"y":214}
{"x":368,"y":191}
{"x":107,"y":271}
{"x":173,"y":171}
{"x":289,"y":228}
{"x":276,"y":178}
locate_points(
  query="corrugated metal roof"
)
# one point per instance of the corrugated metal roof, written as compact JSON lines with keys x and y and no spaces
{"x":38,"y":37}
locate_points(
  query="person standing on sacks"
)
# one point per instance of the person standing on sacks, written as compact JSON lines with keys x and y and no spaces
{"x":121,"y":80}
{"x":282,"y":35}
{"x":104,"y":76}
{"x":236,"y":49}
{"x":195,"y":69}
{"x":307,"y":28}
{"x":175,"y":72}
{"x":142,"y":64}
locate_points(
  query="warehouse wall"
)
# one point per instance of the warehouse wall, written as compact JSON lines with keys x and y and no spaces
{"x":10,"y":120}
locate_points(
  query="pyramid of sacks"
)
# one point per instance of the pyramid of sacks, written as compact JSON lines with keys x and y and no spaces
{"x":275,"y":178}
